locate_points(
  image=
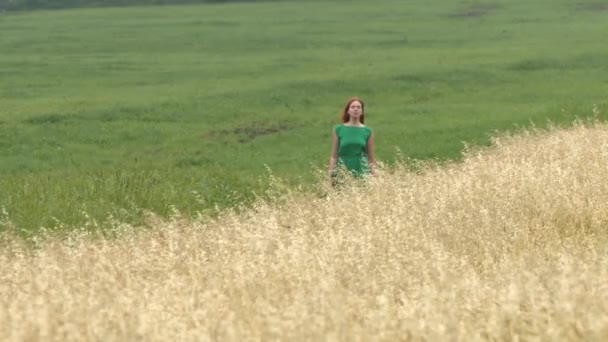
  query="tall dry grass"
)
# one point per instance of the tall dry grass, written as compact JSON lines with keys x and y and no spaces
{"x":510,"y":244}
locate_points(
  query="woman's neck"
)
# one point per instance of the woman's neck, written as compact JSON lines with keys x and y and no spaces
{"x":354,"y":122}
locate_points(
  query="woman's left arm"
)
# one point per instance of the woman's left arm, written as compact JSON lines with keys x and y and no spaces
{"x":370,"y":152}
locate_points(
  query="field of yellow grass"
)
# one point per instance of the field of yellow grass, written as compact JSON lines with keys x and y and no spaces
{"x":509,"y":244}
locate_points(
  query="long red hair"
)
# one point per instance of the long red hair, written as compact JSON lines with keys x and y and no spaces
{"x":346,"y":116}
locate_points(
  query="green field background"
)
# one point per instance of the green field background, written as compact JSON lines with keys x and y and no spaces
{"x":107,"y":113}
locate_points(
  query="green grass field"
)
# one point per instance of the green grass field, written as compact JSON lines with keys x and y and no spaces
{"x":122,"y":110}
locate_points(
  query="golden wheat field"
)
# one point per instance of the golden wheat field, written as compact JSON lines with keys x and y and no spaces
{"x":509,"y":244}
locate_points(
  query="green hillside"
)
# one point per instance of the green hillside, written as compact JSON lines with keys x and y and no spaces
{"x":15,"y":5}
{"x":159,"y":108}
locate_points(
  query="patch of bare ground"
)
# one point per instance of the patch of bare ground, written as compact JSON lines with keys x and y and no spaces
{"x":248,"y":132}
{"x":593,"y":7}
{"x":474,"y":11}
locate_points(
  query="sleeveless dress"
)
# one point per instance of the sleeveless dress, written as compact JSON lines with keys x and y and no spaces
{"x":352,"y":151}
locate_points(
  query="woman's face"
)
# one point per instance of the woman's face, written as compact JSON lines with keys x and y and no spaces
{"x":355,"y":110}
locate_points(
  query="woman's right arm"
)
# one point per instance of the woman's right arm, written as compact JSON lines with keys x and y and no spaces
{"x":334,"y":152}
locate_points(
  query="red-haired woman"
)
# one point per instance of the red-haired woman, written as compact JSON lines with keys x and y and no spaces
{"x":353,"y":143}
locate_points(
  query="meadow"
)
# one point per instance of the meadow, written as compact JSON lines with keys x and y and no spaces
{"x":510,"y":244}
{"x":109,"y":114}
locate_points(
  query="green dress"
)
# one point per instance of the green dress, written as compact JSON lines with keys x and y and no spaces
{"x":352,"y":152}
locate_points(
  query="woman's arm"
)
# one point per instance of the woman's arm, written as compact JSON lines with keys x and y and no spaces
{"x":334,"y":152}
{"x":370,"y":152}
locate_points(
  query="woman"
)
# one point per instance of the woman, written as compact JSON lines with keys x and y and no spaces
{"x":353,"y":143}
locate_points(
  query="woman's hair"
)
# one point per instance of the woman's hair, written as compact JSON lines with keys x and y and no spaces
{"x":346,"y":116}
